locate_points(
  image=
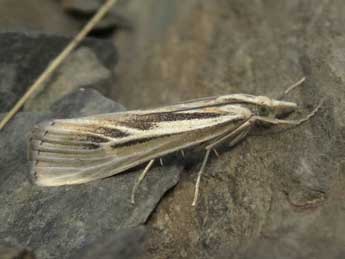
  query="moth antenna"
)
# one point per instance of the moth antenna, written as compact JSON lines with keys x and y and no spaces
{"x":288,"y":124}
{"x":292,"y":87}
{"x":311,"y":114}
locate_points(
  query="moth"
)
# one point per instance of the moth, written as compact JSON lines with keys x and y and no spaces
{"x":75,"y":151}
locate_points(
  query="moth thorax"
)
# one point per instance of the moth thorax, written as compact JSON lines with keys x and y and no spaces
{"x":264,"y":100}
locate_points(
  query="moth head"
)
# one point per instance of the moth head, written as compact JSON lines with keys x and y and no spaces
{"x":271,"y":108}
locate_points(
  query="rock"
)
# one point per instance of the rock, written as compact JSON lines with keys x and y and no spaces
{"x":114,"y":20}
{"x":87,"y":7}
{"x":82,"y":103}
{"x":57,"y":222}
{"x":36,"y":15}
{"x":9,"y":252}
{"x":274,"y":196}
{"x":25,"y":56}
{"x":8,"y":75}
{"x":81,"y":69}
{"x":124,"y":244}
{"x":84,"y":10}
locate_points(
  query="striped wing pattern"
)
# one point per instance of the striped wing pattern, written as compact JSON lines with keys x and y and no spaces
{"x":73,"y":151}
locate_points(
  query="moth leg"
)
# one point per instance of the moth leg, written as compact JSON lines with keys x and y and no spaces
{"x":139,"y":180}
{"x":197,"y":185}
{"x":237,"y":134}
{"x":245,"y":127}
{"x":161,"y":161}
{"x":239,"y":137}
{"x":182,"y":153}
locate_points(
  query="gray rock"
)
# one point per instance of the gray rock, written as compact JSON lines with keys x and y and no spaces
{"x":81,"y":6}
{"x":85,"y":9}
{"x":113,"y":21}
{"x":124,"y":244}
{"x":36,"y":15}
{"x":84,"y":102}
{"x":25,"y":56}
{"x":56,"y":222}
{"x":81,"y":69}
{"x":10,"y":252}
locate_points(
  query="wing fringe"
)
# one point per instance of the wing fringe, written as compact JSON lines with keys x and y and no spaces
{"x":60,"y":153}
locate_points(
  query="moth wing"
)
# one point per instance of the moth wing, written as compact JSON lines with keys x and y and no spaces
{"x":190,"y":105}
{"x":62,"y":151}
{"x":73,"y":151}
{"x":213,"y":101}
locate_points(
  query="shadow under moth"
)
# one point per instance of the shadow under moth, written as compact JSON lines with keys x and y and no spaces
{"x":75,"y":151}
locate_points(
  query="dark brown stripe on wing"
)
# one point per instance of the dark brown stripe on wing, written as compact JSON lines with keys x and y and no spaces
{"x":170,"y":116}
{"x":147,"y":139}
{"x":90,"y":146}
{"x":82,"y":129}
{"x":110,"y":132}
{"x":148,"y":121}
{"x":140,"y":141}
{"x":95,"y":139}
{"x":137,"y":124}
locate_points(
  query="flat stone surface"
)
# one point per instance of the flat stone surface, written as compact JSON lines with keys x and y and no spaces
{"x":123,"y":244}
{"x":36,"y":15}
{"x":86,"y":7}
{"x":84,"y":102}
{"x":26,"y":55}
{"x":11,"y":252}
{"x":81,"y":69}
{"x":57,"y":222}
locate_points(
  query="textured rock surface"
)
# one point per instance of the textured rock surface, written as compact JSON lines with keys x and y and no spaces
{"x":36,"y":15}
{"x":58,"y":222}
{"x":85,"y":9}
{"x":81,"y":69}
{"x":124,"y":244}
{"x":274,"y":196}
{"x":10,"y":252}
{"x":81,"y":6}
{"x":84,"y":102}
{"x":31,"y":53}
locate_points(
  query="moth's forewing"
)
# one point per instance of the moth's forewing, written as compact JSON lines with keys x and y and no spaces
{"x":80,"y":150}
{"x":206,"y":102}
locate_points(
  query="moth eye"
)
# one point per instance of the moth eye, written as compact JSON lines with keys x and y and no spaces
{"x":263,"y":111}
